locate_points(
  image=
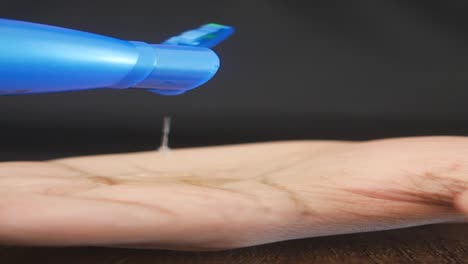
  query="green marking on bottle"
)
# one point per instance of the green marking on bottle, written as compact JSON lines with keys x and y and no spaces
{"x":216,"y":25}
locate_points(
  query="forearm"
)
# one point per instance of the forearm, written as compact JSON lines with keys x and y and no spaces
{"x":233,"y":196}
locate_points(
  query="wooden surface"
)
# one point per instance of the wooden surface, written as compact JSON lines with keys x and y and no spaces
{"x":429,"y":244}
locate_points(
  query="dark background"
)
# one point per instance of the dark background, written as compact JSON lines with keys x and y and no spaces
{"x":326,"y":69}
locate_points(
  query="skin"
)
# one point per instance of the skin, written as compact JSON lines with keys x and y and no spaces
{"x":214,"y":198}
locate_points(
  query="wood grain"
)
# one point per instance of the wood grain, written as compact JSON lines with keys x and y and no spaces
{"x":446,"y":243}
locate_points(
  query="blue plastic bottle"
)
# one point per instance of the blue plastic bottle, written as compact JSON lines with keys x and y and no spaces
{"x":37,"y":58}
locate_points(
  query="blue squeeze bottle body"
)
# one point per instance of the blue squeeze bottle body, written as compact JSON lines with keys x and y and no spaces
{"x":36,"y":58}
